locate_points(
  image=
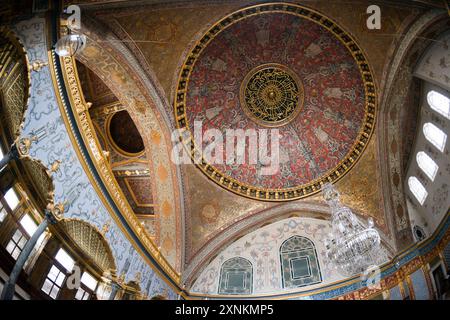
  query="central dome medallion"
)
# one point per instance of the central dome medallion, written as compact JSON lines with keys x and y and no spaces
{"x":271,"y":95}
{"x":278,"y":69}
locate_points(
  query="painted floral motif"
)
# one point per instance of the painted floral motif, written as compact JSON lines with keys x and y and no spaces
{"x":262,"y":249}
{"x":327,"y":126}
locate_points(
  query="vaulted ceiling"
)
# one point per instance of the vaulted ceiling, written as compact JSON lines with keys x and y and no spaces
{"x":151,"y":43}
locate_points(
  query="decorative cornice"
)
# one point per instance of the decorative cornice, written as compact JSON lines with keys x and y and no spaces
{"x":82,"y":118}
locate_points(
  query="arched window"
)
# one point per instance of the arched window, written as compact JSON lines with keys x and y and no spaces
{"x":236,"y":276}
{"x":439,"y":103}
{"x":427,"y":165}
{"x":435,"y":135}
{"x":417,"y":189}
{"x":299,"y":263}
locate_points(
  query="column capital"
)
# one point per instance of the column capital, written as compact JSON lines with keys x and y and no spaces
{"x":54,"y":212}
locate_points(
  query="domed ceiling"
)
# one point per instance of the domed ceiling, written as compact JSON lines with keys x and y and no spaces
{"x":214,"y":55}
{"x":287,"y":68}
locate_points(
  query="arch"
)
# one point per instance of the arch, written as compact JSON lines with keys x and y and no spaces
{"x":395,"y":84}
{"x":236,"y":276}
{"x":299,"y":263}
{"x":435,"y":136}
{"x":427,"y":165}
{"x":255,"y":221}
{"x":37,"y":181}
{"x":90,"y":241}
{"x":417,"y":189}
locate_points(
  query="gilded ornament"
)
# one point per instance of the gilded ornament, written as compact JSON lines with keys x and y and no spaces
{"x":37,"y":65}
{"x":23,"y":146}
{"x":271,"y":95}
{"x":55,"y":166}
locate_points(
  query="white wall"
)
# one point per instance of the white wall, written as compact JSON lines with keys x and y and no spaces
{"x":429,"y":215}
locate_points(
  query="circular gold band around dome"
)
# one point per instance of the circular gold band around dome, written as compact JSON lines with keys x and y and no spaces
{"x":271,"y":95}
{"x":314,"y":186}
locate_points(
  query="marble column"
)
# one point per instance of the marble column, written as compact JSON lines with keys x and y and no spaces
{"x":10,"y":285}
{"x":114,"y":289}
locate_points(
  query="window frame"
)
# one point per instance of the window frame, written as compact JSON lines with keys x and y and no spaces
{"x":23,"y":235}
{"x":432,"y":141}
{"x":420,"y":184}
{"x":54,"y":263}
{"x":434,"y":107}
{"x":425,"y":162}
{"x":87,"y":291}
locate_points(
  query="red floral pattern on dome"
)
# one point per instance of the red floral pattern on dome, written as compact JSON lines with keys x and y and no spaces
{"x":326,"y":128}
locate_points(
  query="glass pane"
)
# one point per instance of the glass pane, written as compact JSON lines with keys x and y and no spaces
{"x":66,"y":261}
{"x":427,"y":165}
{"x":17,"y":235}
{"x":60,"y":279}
{"x":10,"y":247}
{"x":435,"y":135}
{"x":54,"y":292}
{"x":47,"y":286}
{"x":439,"y":103}
{"x":89,"y":281}
{"x":15,"y":254}
{"x":22,"y":242}
{"x":12,"y":199}
{"x":28,"y":224}
{"x":1,"y":154}
{"x":53,"y":273}
{"x":79,"y":294}
{"x":417,"y":189}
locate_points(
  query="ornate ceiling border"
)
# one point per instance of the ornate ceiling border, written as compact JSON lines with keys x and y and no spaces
{"x":70,"y":88}
{"x":116,"y":56}
{"x":314,"y":186}
{"x":236,"y":230}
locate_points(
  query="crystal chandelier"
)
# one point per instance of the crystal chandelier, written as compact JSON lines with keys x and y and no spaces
{"x":352,"y":247}
{"x":70,"y":44}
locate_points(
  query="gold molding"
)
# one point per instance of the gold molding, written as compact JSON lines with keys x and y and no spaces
{"x":314,"y":186}
{"x":295,"y":79}
{"x":84,"y":123}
